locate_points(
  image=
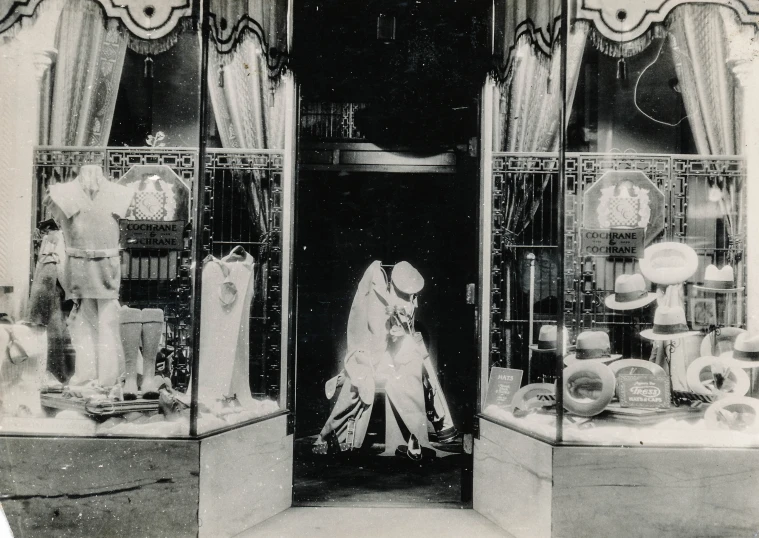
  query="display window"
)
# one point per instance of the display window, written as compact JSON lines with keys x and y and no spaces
{"x":619,"y":250}
{"x":143,"y":239}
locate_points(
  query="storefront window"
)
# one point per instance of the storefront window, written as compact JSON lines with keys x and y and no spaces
{"x":142,"y":300}
{"x":658,"y":341}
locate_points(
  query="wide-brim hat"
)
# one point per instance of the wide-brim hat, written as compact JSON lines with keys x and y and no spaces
{"x":669,"y":263}
{"x":629,"y":293}
{"x":406,"y":278}
{"x":725,"y":340}
{"x":547,"y":338}
{"x":669,"y":324}
{"x":745,"y":351}
{"x":739,"y":378}
{"x":718,"y":279}
{"x":636,"y":366}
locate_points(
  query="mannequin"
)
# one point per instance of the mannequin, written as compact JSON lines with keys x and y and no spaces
{"x":385,"y":352}
{"x":88,"y":210}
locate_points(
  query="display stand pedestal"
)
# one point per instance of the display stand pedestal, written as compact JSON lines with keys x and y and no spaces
{"x":534,"y":490}
{"x":217,"y":486}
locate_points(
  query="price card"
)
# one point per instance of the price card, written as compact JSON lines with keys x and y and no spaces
{"x":644,"y":390}
{"x":504,"y":383}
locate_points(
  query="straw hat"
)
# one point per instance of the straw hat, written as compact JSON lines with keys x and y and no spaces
{"x":704,"y":371}
{"x":745,"y":351}
{"x":546,"y":339}
{"x":669,"y":263}
{"x":592,"y":346}
{"x":669,"y":324}
{"x":630,"y":292}
{"x":718,"y":279}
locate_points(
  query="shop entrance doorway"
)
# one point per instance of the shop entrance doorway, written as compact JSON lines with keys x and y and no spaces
{"x":345,"y":221}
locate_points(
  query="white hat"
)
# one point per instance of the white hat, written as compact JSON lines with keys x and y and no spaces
{"x":746,"y":351}
{"x":718,"y":279}
{"x":635,"y":366}
{"x":592,"y":346}
{"x":630,"y":292}
{"x":723,"y":341}
{"x":406,"y":278}
{"x":546,"y":339}
{"x":702,"y":372}
{"x":669,"y":263}
{"x":669,"y":324}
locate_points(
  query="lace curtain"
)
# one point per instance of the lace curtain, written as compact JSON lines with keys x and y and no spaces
{"x":87,"y":74}
{"x":530,"y":115}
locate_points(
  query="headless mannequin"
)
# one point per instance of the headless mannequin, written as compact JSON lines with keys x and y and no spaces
{"x":88,"y":210}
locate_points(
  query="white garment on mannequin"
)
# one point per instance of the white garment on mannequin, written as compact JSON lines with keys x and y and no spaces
{"x":95,"y":335}
{"x":224,"y":330}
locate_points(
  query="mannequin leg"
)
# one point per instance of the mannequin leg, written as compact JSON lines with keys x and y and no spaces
{"x":152,"y":327}
{"x":130,"y":332}
{"x":84,"y":331}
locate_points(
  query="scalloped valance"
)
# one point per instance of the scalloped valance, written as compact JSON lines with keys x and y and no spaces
{"x":233,"y":21}
{"x":616,"y":27}
{"x":152,"y":25}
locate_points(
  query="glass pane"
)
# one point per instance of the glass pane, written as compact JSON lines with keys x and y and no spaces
{"x":242,"y":362}
{"x":656,"y":221}
{"x":99,"y":338}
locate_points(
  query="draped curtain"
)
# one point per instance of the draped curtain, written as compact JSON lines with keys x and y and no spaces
{"x":245,"y":83}
{"x":699,"y":37}
{"x":90,"y":58}
{"x":530,"y":114}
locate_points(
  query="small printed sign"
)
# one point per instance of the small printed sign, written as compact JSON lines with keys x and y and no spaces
{"x":504,"y":383}
{"x":613,"y":242}
{"x":152,"y":234}
{"x":643,"y":390}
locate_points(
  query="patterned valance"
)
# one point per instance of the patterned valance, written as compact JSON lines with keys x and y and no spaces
{"x":152,"y":25}
{"x":617,"y":27}
{"x":628,"y":20}
{"x":233,"y":21}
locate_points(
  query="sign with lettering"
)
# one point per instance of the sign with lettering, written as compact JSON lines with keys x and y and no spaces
{"x":643,"y":390}
{"x":624,"y":199}
{"x":152,"y":234}
{"x":504,"y":383}
{"x":620,"y":242}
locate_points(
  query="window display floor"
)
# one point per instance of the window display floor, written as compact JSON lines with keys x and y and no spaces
{"x":366,"y":478}
{"x":376,"y":522}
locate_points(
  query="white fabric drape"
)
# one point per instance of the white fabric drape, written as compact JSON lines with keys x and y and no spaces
{"x":87,"y":74}
{"x":699,"y":40}
{"x":248,"y":105}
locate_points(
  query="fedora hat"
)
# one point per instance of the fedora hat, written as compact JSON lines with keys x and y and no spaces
{"x":406,"y":278}
{"x":669,"y":263}
{"x":592,"y":346}
{"x":746,"y":351}
{"x":669,"y":324}
{"x":630,"y":292}
{"x":718,"y":279}
{"x":546,"y":339}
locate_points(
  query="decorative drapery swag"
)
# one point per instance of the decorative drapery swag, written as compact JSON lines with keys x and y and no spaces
{"x":233,"y":22}
{"x":150,"y":27}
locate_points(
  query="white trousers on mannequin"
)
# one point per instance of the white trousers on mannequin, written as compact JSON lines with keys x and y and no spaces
{"x":95,"y":335}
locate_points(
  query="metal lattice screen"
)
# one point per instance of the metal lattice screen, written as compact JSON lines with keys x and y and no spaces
{"x":718,"y":237}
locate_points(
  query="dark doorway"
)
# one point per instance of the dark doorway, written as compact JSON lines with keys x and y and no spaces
{"x":345,"y":221}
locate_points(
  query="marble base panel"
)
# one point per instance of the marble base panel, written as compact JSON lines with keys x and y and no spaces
{"x":532,"y":489}
{"x":84,"y":487}
{"x":246,"y":477}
